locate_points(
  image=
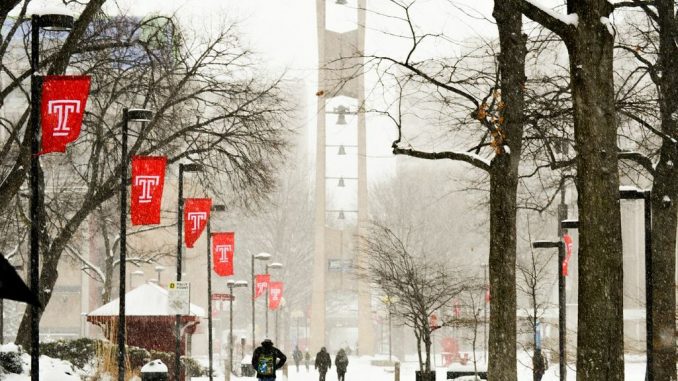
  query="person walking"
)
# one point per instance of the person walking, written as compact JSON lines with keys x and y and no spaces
{"x":323,"y":362}
{"x":266,"y":359}
{"x":307,"y":359}
{"x":296,"y":355}
{"x":341,"y":363}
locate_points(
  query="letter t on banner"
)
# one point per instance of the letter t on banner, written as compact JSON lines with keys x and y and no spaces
{"x":223,"y":246}
{"x":196,"y":215}
{"x":148,"y":180}
{"x":63,"y":102}
{"x":261,"y":284}
{"x":275,"y":295}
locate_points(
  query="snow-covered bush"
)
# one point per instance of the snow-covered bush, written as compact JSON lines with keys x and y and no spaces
{"x":10,"y":359}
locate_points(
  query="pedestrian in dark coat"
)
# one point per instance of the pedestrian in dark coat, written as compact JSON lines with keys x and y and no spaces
{"x":323,"y":362}
{"x":296,"y":355}
{"x":341,"y":363}
{"x":266,"y":359}
{"x":307,"y":359}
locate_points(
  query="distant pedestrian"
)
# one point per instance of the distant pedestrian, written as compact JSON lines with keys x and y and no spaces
{"x":266,"y":359}
{"x":341,"y":363}
{"x":323,"y":362}
{"x":296,"y":355}
{"x":307,"y":359}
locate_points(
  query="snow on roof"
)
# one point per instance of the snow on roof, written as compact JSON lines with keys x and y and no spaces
{"x":146,"y":300}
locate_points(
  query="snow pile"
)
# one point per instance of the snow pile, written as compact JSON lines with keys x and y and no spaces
{"x":155,"y":366}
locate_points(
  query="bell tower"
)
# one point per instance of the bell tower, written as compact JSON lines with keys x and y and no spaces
{"x":341,"y":313}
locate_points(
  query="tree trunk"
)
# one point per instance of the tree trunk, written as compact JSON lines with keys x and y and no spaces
{"x":503,"y":188}
{"x":665,"y":204}
{"x":600,"y":355}
{"x":51,"y":254}
{"x":427,"y":348}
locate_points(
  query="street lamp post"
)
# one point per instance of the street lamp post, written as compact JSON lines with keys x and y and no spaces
{"x":138,"y":115}
{"x":215,"y":208}
{"x":561,"y":301}
{"x":46,"y":22}
{"x":274,"y":265}
{"x":261,"y":257}
{"x":231,"y":284}
{"x":637,"y":194}
{"x":192,"y":167}
{"x":159,"y":269}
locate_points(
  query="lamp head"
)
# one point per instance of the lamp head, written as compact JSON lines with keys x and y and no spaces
{"x":342,"y":150}
{"x":218,"y":208}
{"x":275,"y":265}
{"x":191,"y":167}
{"x":262,"y":256}
{"x":545,"y":244}
{"x":56,"y":22}
{"x":139,"y":115}
{"x":341,"y":215}
{"x":341,"y":2}
{"x":240,"y":283}
{"x":341,"y":183}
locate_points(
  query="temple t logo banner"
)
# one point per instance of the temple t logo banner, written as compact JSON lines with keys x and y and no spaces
{"x":148,"y":180}
{"x":222,"y":253}
{"x":196,"y":217}
{"x":63,"y":102}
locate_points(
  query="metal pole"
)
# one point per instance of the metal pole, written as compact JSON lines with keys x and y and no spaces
{"x":485,"y":354}
{"x":180,"y":220}
{"x":2,"y":321}
{"x":35,"y":184}
{"x":253,"y":322}
{"x":230,"y":334}
{"x":649,"y":328}
{"x":561,"y":312}
{"x":389,"y":334}
{"x":123,"y":247}
{"x":562,"y":321}
{"x":267,"y":287}
{"x":276,"y":326}
{"x":209,"y":296}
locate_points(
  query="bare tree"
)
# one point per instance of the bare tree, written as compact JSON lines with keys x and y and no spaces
{"x":210,"y":105}
{"x":480,"y":118}
{"x":420,"y":284}
{"x":653,"y":44}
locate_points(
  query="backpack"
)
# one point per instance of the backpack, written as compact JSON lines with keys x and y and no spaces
{"x":266,"y":365}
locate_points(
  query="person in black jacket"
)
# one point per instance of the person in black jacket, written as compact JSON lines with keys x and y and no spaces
{"x":266,"y":359}
{"x":323,"y":362}
{"x":341,"y":363}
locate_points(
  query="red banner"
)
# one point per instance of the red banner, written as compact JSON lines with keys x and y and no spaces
{"x":567,"y":239}
{"x":148,"y":181}
{"x":196,"y":216}
{"x":275,"y":295}
{"x":261,"y":284}
{"x":223,"y":246}
{"x":63,"y":102}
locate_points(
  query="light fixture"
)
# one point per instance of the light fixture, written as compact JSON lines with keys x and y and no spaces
{"x":341,"y":184}
{"x":342,"y":150}
{"x":56,"y":22}
{"x":341,"y":215}
{"x":341,"y":2}
{"x":139,"y":115}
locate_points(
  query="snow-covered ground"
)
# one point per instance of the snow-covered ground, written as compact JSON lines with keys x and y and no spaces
{"x":359,"y":369}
